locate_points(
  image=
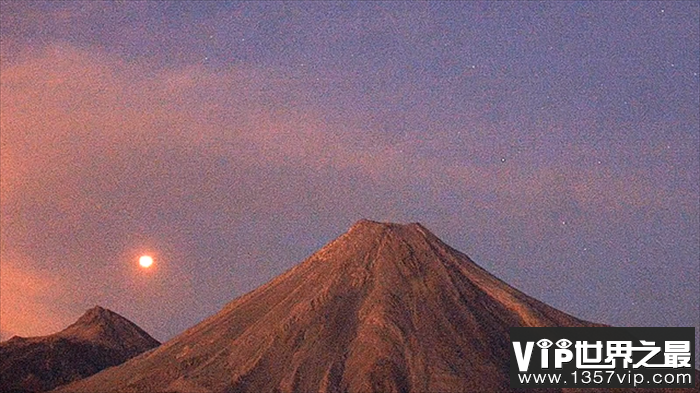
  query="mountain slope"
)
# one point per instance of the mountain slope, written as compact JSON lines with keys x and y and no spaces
{"x":383,"y":308}
{"x":99,"y":339}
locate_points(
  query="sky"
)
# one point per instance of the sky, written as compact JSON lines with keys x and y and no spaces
{"x":555,"y":143}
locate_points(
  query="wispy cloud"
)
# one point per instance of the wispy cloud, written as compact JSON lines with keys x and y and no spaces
{"x":102,"y":155}
{"x":34,"y":302}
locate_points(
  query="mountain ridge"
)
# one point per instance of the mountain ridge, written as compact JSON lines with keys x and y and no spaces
{"x":100,"y":338}
{"x":383,"y":308}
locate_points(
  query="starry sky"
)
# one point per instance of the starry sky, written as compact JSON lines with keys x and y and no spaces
{"x":555,"y":143}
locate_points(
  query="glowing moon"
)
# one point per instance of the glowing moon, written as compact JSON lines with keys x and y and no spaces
{"x":145,"y":261}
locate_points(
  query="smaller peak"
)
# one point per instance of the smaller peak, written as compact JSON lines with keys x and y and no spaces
{"x":96,"y":316}
{"x":99,"y":324}
{"x":97,"y":311}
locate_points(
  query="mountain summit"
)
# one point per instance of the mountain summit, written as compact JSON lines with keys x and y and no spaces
{"x":100,"y":338}
{"x":383,"y":308}
{"x":102,"y":326}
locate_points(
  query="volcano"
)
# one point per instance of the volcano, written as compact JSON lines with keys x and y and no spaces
{"x":100,"y":338}
{"x":383,"y":308}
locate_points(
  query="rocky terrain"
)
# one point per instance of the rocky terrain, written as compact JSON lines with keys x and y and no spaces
{"x":99,"y":339}
{"x":383,"y":308}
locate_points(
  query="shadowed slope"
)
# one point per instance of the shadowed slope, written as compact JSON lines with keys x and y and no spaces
{"x":383,"y":308}
{"x":98,"y":339}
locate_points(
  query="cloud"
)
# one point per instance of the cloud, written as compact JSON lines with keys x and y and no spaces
{"x":218,"y":169}
{"x":88,"y":137}
{"x":100,"y":157}
{"x":33,"y":301}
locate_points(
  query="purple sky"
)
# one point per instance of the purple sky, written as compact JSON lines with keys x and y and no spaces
{"x":556,"y":143}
